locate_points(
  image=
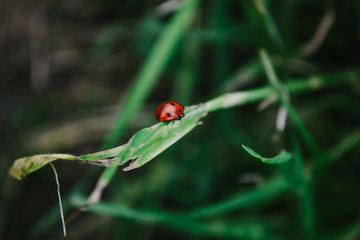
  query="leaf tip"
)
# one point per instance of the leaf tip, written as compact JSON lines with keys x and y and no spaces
{"x":14,"y":172}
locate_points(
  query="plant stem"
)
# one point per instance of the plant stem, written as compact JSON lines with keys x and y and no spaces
{"x":283,"y":96}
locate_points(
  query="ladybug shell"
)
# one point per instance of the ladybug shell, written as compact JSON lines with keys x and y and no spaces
{"x":169,"y":110}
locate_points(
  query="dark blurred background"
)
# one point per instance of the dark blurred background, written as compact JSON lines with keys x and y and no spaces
{"x":67,"y":66}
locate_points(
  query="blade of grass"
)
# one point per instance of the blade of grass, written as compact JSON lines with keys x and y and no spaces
{"x":282,"y":94}
{"x":246,"y":229}
{"x":218,"y":20}
{"x":187,"y":76}
{"x":241,"y":200}
{"x":293,"y":85}
{"x":145,"y":80}
{"x":282,"y":157}
{"x":306,"y":201}
{"x":269,"y":24}
{"x":309,"y":175}
{"x":263,"y":21}
{"x":348,"y":142}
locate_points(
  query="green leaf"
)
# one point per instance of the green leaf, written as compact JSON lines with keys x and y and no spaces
{"x":150,"y":142}
{"x":283,"y":157}
{"x":145,"y":145}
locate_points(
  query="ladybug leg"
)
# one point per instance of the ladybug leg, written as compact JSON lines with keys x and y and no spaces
{"x":173,"y":122}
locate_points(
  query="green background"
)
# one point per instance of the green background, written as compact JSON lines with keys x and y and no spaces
{"x":82,"y":76}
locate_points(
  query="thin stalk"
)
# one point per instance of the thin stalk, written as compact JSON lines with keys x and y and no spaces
{"x":59,"y":196}
{"x":40,"y":227}
{"x":269,"y":23}
{"x":348,"y":142}
{"x":187,"y":76}
{"x":306,"y":201}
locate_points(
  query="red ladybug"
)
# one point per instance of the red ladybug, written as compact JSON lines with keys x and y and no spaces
{"x":169,"y":111}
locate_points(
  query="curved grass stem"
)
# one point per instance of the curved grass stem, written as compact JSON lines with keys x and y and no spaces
{"x":283,"y":96}
{"x":59,"y":196}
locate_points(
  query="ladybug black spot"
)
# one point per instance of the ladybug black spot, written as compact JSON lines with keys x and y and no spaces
{"x":172,"y":104}
{"x":169,"y":115}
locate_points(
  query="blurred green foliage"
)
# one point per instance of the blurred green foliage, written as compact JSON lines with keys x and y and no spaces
{"x":80,"y":76}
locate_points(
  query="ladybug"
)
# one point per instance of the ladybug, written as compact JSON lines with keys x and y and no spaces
{"x":169,"y":111}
